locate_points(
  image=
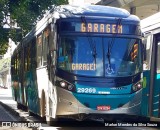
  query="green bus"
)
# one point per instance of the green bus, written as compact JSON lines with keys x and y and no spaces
{"x":81,"y":62}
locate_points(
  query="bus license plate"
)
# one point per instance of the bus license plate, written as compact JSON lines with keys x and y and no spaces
{"x":103,"y":108}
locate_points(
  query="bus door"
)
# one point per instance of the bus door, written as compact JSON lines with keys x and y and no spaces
{"x":155,"y":78}
{"x":151,"y":90}
{"x":51,"y":66}
{"x":147,"y":42}
{"x":44,"y":69}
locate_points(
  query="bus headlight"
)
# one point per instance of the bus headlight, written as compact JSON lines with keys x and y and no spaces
{"x":137,"y":86}
{"x":65,"y":84}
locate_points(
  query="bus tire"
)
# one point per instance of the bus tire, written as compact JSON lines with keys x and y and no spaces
{"x":19,"y":106}
{"x":30,"y":113}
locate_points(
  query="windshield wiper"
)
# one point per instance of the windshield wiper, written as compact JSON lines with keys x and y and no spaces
{"x":109,"y":56}
{"x":94,"y":51}
{"x":92,"y":43}
{"x":111,"y":43}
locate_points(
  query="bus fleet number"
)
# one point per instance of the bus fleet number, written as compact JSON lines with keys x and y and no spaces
{"x":86,"y":90}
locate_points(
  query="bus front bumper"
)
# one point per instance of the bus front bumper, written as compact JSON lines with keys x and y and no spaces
{"x":68,"y":104}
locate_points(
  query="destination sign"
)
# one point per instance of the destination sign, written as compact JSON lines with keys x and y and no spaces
{"x":84,"y":66}
{"x":100,"y":27}
{"x":103,"y":28}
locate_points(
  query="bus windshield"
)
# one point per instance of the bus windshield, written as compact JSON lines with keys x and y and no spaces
{"x":87,"y":56}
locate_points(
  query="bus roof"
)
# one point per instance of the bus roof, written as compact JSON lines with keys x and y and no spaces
{"x":92,"y":10}
{"x":72,"y":11}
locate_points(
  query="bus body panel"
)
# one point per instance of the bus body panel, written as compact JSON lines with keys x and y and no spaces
{"x":32,"y":92}
{"x":69,"y":103}
{"x":42,"y":84}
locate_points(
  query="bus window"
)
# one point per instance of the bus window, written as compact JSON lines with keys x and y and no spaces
{"x":12,"y":65}
{"x":28,"y":57}
{"x":15,"y":65}
{"x":33,"y":54}
{"x":147,"y":49}
{"x":52,"y":45}
{"x":39,"y":50}
{"x":77,"y":56}
{"x":25,"y":59}
{"x":45,"y":46}
{"x":126,"y":59}
{"x":13,"y":69}
{"x":18,"y":62}
{"x":52,"y":38}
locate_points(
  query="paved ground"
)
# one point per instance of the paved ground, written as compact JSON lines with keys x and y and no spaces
{"x":6,"y":98}
{"x":9,"y":104}
{"x":9,"y":116}
{"x":5,"y":116}
{"x":9,"y":112}
{"x":6,"y":101}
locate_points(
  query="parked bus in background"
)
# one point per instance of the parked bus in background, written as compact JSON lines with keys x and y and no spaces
{"x":151,"y":92}
{"x":80,"y":62}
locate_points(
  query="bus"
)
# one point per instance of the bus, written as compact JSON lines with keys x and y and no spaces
{"x":81,"y":62}
{"x":150,"y":101}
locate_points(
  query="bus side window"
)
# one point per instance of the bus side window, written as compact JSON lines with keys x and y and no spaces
{"x":52,"y":39}
{"x":25,"y":59}
{"x":147,"y":52}
{"x":33,"y":54}
{"x":29,"y":57}
{"x":45,"y":46}
{"x":12,"y":64}
{"x":18,"y":62}
{"x":39,"y":50}
{"x":15,"y":65}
